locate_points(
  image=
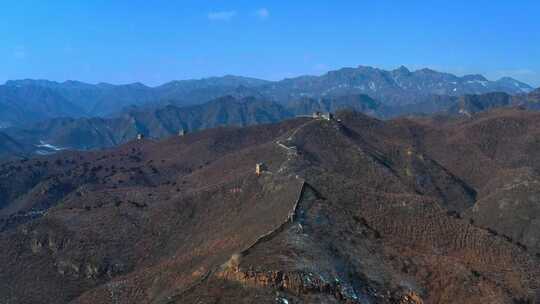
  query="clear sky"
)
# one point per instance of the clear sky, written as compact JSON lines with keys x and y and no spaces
{"x":155,"y":41}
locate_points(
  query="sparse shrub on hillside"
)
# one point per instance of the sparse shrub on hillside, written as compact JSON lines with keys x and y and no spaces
{"x":522,"y":246}
{"x":492,"y":231}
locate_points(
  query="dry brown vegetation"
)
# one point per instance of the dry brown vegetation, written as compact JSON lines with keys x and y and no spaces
{"x":432,"y":210}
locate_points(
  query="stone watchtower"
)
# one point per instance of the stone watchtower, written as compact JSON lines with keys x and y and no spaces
{"x":182,"y":132}
{"x":140,"y":136}
{"x":260,"y":168}
{"x":328,"y":116}
{"x":325,"y":116}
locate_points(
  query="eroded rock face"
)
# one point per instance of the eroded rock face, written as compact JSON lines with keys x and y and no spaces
{"x":350,"y":211}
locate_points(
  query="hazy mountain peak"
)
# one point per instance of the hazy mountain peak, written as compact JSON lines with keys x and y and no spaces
{"x":474,"y":77}
{"x":364,"y":68}
{"x":511,"y":83}
{"x":31,"y":82}
{"x":402,"y":70}
{"x":513,"y":80}
{"x":226,"y":81}
{"x":74,"y":82}
{"x":427,"y":71}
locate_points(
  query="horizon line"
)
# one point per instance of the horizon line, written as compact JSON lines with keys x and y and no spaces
{"x":256,"y":78}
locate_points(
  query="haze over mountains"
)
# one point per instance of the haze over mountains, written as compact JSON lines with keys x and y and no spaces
{"x":92,"y":133}
{"x":43,"y":116}
{"x":423,"y":189}
{"x":29,"y":101}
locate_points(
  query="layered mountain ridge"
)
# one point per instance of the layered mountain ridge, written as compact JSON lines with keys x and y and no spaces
{"x":346,"y":210}
{"x":160,"y":122}
{"x":93,"y":133}
{"x":30,"y":101}
{"x":396,"y":87}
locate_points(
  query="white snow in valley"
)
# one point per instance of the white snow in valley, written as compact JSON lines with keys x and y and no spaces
{"x":43,"y":144}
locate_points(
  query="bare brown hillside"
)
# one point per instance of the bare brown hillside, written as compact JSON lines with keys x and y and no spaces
{"x":351,"y":210}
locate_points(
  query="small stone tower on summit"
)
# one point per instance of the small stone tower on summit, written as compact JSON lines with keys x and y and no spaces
{"x":325,"y":116}
{"x":140,"y":136}
{"x":182,"y":132}
{"x":328,"y":116}
{"x":259,"y":168}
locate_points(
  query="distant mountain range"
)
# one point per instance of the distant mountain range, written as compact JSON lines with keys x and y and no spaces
{"x":91,"y":133}
{"x":30,"y":101}
{"x":396,"y":87}
{"x":472,"y":104}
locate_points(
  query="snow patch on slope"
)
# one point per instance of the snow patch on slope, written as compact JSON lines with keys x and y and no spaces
{"x":43,"y":144}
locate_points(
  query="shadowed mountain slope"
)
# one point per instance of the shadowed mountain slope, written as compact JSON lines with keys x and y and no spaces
{"x":92,"y":133}
{"x":351,"y":211}
{"x":159,"y":122}
{"x":29,"y":101}
{"x":10,"y":147}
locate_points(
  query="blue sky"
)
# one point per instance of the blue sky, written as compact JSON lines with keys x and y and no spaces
{"x":157,"y":41}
